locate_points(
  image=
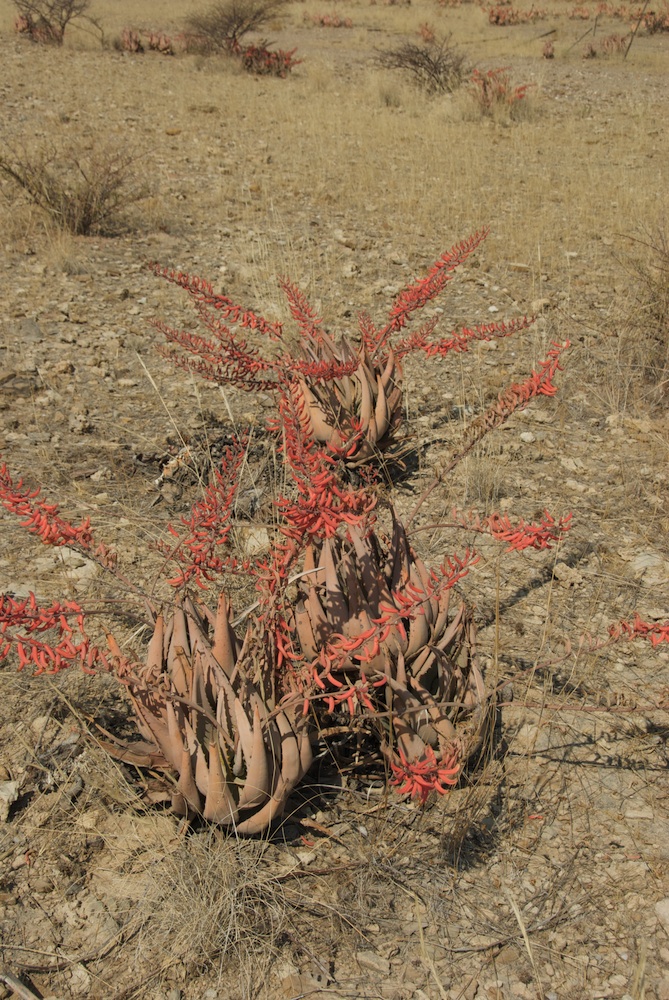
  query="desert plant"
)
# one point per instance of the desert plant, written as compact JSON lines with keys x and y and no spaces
{"x":427,"y":32}
{"x":353,"y":391}
{"x":209,"y":710}
{"x":223,"y":28}
{"x":130,"y":41}
{"x":158,"y":41}
{"x":228,"y":719}
{"x":385,"y":641}
{"x":328,"y":20}
{"x":155,"y":41}
{"x":226,"y":23}
{"x":82,"y":192}
{"x":348,"y":620}
{"x":506,"y":15}
{"x":656,"y":21}
{"x":263,"y":61}
{"x":436,"y":66}
{"x":47,"y":20}
{"x":493,"y":90}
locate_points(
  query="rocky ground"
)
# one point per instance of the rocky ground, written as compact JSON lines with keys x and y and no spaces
{"x":545,"y":874}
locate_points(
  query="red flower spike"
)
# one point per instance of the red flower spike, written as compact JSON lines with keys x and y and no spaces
{"x":321,"y":505}
{"x":41,"y":518}
{"x":418,"y":778}
{"x":24,"y":622}
{"x":516,"y":397}
{"x":417,"y":296}
{"x":209,"y":525}
{"x":520,"y":536}
{"x":656,"y":633}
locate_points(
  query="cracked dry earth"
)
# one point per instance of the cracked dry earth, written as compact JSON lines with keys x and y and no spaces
{"x":546,"y":873}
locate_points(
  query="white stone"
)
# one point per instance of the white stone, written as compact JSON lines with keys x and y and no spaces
{"x":662,"y":911}
{"x":373,"y":963}
{"x":9,"y":793}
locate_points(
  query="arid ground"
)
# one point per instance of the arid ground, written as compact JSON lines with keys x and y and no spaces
{"x":540,"y":875}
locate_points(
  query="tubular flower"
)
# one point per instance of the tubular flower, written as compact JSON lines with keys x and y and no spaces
{"x":45,"y":637}
{"x":41,"y":518}
{"x":418,"y":778}
{"x":656,"y":633}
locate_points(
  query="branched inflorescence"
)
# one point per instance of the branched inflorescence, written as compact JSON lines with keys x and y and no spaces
{"x":209,"y":525}
{"x":518,"y":536}
{"x":352,"y":389}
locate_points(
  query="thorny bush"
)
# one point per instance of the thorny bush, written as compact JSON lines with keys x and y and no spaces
{"x":436,"y":66}
{"x":82,"y":191}
{"x":225,"y":24}
{"x":350,"y":628}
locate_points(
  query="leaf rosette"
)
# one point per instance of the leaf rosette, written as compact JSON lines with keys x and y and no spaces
{"x":229,"y":749}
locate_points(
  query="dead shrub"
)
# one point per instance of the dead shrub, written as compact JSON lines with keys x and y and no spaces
{"x":82,"y":192}
{"x":438,"y":67}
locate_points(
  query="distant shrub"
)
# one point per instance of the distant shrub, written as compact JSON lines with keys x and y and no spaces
{"x":613,"y":44}
{"x":427,"y":32}
{"x":158,"y":41}
{"x":46,"y":21}
{"x":82,"y":193}
{"x":129,"y":41}
{"x":221,"y":29}
{"x":154,"y":41}
{"x":226,"y":23}
{"x":654,"y":21}
{"x":438,"y":67}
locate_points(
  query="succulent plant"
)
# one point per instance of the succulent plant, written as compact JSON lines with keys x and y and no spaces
{"x":383,"y":635}
{"x":207,"y":708}
{"x":352,"y":387}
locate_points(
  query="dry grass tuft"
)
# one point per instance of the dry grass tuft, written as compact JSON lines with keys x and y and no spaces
{"x":82,"y":191}
{"x":648,"y":264}
{"x":210,"y":903}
